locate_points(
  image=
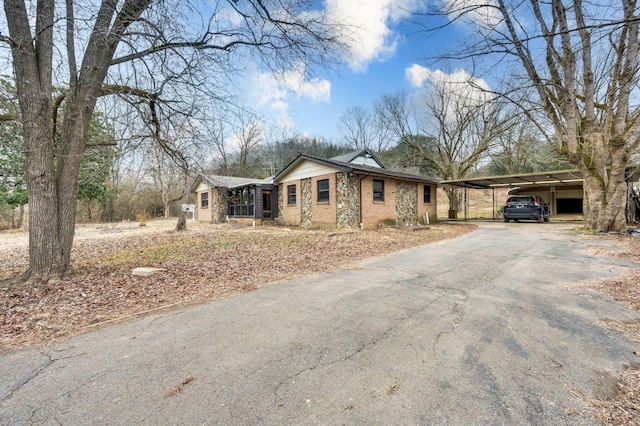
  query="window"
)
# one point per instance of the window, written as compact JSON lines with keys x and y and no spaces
{"x":291,"y":194}
{"x":204,"y":200}
{"x":427,"y":194}
{"x":241,"y":202}
{"x":244,"y":202}
{"x":378,"y":190}
{"x":323,"y":190}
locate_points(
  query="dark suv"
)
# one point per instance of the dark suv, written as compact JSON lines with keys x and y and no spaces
{"x":526,"y":207}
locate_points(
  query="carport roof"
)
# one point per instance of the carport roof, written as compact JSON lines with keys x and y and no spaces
{"x":554,"y":178}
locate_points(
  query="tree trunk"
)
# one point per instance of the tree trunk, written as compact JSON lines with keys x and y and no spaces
{"x":605,"y":190}
{"x":453,"y":195}
{"x":20,"y":216}
{"x":182,"y":222}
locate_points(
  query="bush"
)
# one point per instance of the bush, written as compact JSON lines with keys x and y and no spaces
{"x":143,"y":218}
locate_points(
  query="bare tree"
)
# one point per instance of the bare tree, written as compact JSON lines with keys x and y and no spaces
{"x":249,"y":135}
{"x":521,"y":149}
{"x":361,"y":129}
{"x":447,"y":129}
{"x":579,"y":69}
{"x":135,"y":48}
{"x":169,"y":179}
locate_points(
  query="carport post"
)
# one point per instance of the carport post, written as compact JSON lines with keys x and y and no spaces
{"x":466,"y":202}
{"x":493,"y":203}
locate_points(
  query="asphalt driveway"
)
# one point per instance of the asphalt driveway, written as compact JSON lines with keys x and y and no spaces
{"x":481,"y":329}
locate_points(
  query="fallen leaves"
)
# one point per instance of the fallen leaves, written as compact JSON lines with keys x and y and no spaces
{"x":206,"y":263}
{"x":624,"y":409}
{"x":175,"y":391}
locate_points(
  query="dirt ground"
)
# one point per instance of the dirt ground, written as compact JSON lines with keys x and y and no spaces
{"x":205,"y":263}
{"x":213,"y":262}
{"x":623,"y":408}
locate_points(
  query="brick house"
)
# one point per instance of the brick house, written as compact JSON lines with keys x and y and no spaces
{"x":349,"y":191}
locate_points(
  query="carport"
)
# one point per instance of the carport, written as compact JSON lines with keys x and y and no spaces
{"x":562,"y":189}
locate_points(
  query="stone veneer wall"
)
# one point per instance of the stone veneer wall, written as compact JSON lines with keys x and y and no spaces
{"x":347,"y":197}
{"x":280,"y":219}
{"x":219,"y":204}
{"x":406,"y":203}
{"x":306,"y":201}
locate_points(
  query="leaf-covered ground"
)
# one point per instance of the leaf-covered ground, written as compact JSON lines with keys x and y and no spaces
{"x":624,"y":408}
{"x":206,"y":263}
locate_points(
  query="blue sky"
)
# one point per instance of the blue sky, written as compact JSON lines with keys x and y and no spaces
{"x":377,"y":65}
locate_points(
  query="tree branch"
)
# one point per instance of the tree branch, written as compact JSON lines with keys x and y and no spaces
{"x":9,"y":118}
{"x":199,"y":45}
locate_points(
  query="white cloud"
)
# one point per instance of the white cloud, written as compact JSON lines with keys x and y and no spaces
{"x":279,"y":105}
{"x":372,"y":39}
{"x":458,"y":81}
{"x":275,"y":91}
{"x":316,"y":89}
{"x":417,"y":75}
{"x":453,"y":91}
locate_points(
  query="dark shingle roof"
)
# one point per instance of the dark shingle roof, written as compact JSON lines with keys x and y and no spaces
{"x":357,"y":168}
{"x":350,"y":156}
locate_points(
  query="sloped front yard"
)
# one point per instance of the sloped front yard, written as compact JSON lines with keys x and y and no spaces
{"x":205,"y":263}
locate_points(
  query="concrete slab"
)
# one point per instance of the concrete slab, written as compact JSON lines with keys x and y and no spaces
{"x":146,"y":272}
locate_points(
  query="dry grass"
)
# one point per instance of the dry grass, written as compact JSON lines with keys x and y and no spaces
{"x":624,"y":408}
{"x":206,"y":263}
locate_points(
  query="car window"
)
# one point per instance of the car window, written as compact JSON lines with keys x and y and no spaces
{"x":520,"y":199}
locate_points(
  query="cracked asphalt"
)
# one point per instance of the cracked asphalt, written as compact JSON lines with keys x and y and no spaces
{"x":477,"y":330}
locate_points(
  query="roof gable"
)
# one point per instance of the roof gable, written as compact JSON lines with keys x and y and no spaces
{"x":306,"y":166}
{"x":362,"y":156}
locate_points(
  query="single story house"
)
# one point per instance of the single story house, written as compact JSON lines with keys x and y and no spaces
{"x":349,"y":191}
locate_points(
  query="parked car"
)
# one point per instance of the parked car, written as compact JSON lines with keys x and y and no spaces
{"x":527,"y":207}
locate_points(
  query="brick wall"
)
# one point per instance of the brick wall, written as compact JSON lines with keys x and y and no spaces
{"x":376,"y":212}
{"x":204,"y":214}
{"x":324,"y":212}
{"x":216,"y":211}
{"x":290,"y":213}
{"x":428,"y":207}
{"x":403,"y":203}
{"x":308,"y":212}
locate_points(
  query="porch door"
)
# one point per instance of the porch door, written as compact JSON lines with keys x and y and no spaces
{"x":266,"y":204}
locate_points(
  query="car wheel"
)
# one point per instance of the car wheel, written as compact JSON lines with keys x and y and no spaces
{"x":506,"y":220}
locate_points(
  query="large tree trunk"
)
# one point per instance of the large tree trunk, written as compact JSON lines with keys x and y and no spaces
{"x":605,"y":190}
{"x":44,"y":245}
{"x":52,"y":171}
